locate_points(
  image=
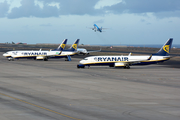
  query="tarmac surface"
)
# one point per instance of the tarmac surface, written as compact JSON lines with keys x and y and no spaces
{"x":57,"y":90}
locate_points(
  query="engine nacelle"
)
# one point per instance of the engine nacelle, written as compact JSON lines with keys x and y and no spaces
{"x":80,"y":66}
{"x":119,"y":65}
{"x":42,"y":58}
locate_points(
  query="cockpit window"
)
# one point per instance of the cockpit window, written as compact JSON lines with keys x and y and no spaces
{"x":85,"y":59}
{"x":15,"y":53}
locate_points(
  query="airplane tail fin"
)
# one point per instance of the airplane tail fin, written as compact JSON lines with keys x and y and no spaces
{"x":61,"y":46}
{"x":165,"y":50}
{"x":74,"y":46}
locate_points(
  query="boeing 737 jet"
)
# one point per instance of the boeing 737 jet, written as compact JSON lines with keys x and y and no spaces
{"x":45,"y":55}
{"x":38,"y":55}
{"x":85,"y":52}
{"x":69,"y":52}
{"x":96,"y":28}
{"x":127,"y":61}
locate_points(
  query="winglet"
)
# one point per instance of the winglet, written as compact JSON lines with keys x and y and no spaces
{"x":149,"y":57}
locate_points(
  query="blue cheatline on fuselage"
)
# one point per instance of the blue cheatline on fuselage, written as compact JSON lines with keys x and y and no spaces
{"x":103,"y":64}
{"x":112,"y":63}
{"x":62,"y":56}
{"x":150,"y":62}
{"x":27,"y":57}
{"x":123,"y":61}
{"x":30,"y":55}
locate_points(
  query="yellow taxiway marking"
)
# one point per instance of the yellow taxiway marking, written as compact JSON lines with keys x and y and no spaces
{"x":39,"y":106}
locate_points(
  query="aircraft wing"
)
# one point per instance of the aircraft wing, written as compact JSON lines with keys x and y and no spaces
{"x":85,"y":52}
{"x":49,"y":54}
{"x":92,"y":28}
{"x":129,"y":63}
{"x":94,"y":51}
{"x":104,"y":28}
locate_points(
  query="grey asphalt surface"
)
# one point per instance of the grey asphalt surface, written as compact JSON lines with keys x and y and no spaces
{"x":57,"y":90}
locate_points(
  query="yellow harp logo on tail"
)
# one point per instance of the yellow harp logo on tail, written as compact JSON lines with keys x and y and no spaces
{"x":166,"y":48}
{"x":63,"y":46}
{"x":75,"y":46}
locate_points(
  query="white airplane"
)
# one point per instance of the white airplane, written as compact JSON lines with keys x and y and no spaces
{"x":85,"y":52}
{"x":96,"y":28}
{"x":43,"y":55}
{"x":127,"y":61}
{"x":69,"y":52}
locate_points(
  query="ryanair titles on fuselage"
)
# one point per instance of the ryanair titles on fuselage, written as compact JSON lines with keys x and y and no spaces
{"x":105,"y":59}
{"x":34,"y":53}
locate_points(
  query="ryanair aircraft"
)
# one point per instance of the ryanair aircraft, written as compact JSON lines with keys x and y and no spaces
{"x":83,"y":51}
{"x":127,"y":61}
{"x":38,"y":55}
{"x":69,"y":52}
{"x":45,"y":55}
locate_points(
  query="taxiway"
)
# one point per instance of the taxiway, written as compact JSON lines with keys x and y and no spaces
{"x":57,"y":90}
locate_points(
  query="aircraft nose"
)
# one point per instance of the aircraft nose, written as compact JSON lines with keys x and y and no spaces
{"x":4,"y":54}
{"x":82,"y":61}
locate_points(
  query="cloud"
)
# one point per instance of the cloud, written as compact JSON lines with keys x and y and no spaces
{"x":99,"y":21}
{"x":55,"y":8}
{"x":158,"y":7}
{"x":143,"y":20}
{"x":4,"y":7}
{"x":78,"y":7}
{"x":102,"y":3}
{"x":29,"y":9}
{"x":46,"y":25}
{"x":167,"y":14}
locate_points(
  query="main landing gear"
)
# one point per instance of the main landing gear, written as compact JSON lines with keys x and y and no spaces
{"x":126,"y":67}
{"x":11,"y":59}
{"x":45,"y":59}
{"x":80,"y":66}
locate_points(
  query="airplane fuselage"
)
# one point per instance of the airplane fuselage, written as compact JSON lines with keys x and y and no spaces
{"x":126,"y":61}
{"x":96,"y":28}
{"x":122,"y":60}
{"x":35,"y":54}
{"x":29,"y":54}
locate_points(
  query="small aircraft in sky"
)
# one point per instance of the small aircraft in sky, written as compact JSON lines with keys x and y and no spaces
{"x":127,"y":61}
{"x":96,"y":28}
